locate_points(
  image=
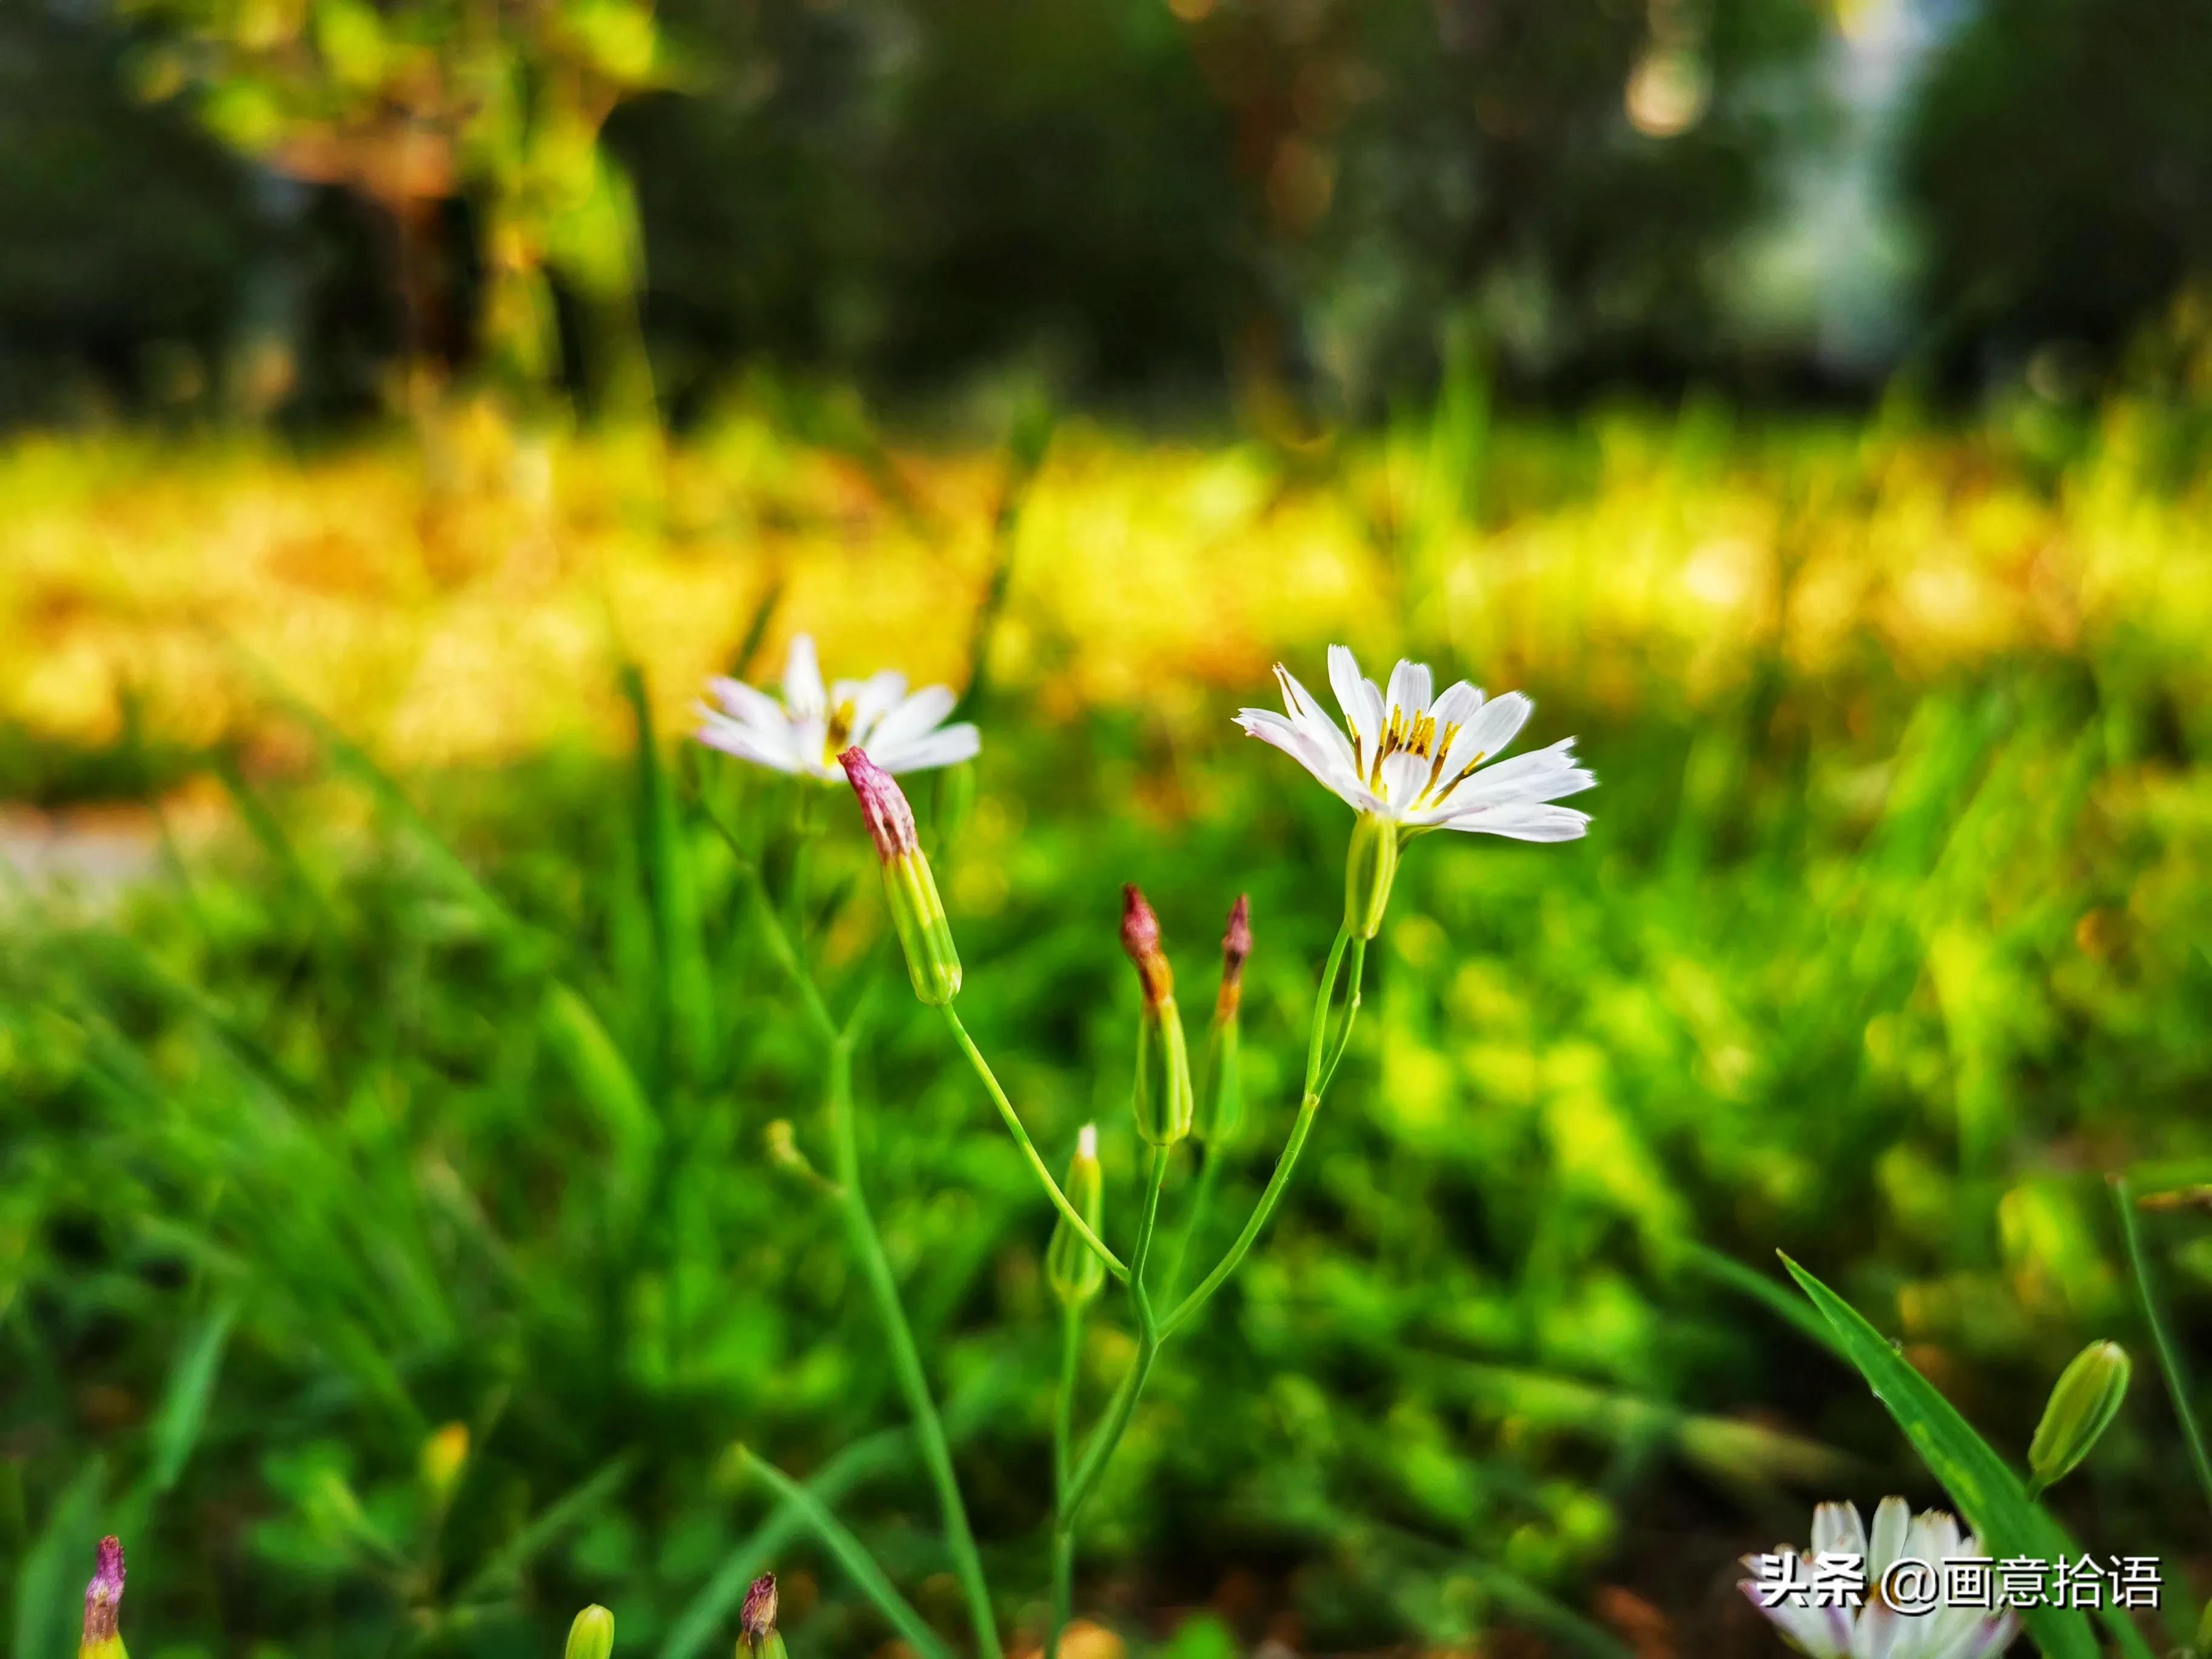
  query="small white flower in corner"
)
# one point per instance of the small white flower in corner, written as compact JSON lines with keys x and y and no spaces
{"x":1883,"y":1595}
{"x":807,"y":730}
{"x":1413,"y":763}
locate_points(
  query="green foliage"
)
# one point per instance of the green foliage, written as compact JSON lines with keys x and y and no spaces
{"x":451,"y":1104}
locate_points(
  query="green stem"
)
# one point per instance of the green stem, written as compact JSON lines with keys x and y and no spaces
{"x":1211,"y":1158}
{"x":1108,"y":1435}
{"x":1013,"y":1120}
{"x":906,"y":1359}
{"x":2169,"y":1357}
{"x":1063,"y":1440}
{"x":853,"y":1557}
{"x":1317,"y":1079}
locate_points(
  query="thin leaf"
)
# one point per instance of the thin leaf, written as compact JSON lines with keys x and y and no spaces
{"x":183,"y":1408}
{"x":577,"y":1505}
{"x":1991,"y":1497}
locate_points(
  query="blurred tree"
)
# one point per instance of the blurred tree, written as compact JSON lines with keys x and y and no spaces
{"x":414,"y":104}
{"x":2061,"y":155}
{"x":129,"y":237}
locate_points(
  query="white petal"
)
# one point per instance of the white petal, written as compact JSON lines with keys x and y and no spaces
{"x":1494,"y":725}
{"x":754,"y":707}
{"x":911,"y":718}
{"x":718,"y":731}
{"x":1361,"y":702}
{"x":802,"y":679}
{"x":1820,"y":1632}
{"x":1878,"y":1627}
{"x":1297,"y":740}
{"x":1457,"y":705}
{"x":1403,"y":775}
{"x":1309,"y":717}
{"x":1523,"y":822}
{"x":1838,"y":1530}
{"x":1891,"y":1518}
{"x":1545,"y":775}
{"x":947,"y":746}
{"x":1411,"y":685}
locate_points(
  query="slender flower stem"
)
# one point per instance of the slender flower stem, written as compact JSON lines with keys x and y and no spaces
{"x":2169,"y":1357}
{"x":906,"y":1359}
{"x":853,"y":1557}
{"x":1108,"y":1435}
{"x":1211,"y":1158}
{"x":1317,"y":1079}
{"x":1063,"y":1440}
{"x":1113,"y":1263}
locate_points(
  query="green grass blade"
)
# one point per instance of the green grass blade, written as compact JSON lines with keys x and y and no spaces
{"x":184,"y":1409}
{"x":576,"y":1504}
{"x":1727,"y":1271}
{"x":51,"y":1580}
{"x":1991,"y":1497}
{"x":2161,"y":1335}
{"x":853,"y":1557}
{"x":687,"y":987}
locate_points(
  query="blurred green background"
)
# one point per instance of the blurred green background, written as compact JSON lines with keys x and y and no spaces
{"x":411,"y":401}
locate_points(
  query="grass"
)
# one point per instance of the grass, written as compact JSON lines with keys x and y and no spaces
{"x":451,"y":1097}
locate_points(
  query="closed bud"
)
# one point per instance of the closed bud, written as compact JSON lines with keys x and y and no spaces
{"x":1221,"y":1103}
{"x":1163,"y":1098}
{"x":2083,"y":1402}
{"x":924,"y":933}
{"x":1370,"y":866}
{"x":443,"y":1454}
{"x":757,"y":1636}
{"x":592,"y":1635}
{"x":103,"y":1605}
{"x":1071,"y":1267}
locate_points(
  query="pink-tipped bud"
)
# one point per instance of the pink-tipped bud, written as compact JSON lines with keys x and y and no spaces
{"x":917,"y":912}
{"x":1236,"y":946}
{"x":103,"y":1598}
{"x":758,"y":1616}
{"x":883,"y":804}
{"x":1141,"y":938}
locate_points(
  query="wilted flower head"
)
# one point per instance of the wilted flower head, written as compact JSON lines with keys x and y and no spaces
{"x":1418,"y":763}
{"x":1236,"y":946}
{"x":758,"y":1616}
{"x":103,"y":1603}
{"x":1877,"y":1628}
{"x":924,"y":933}
{"x":805,"y":732}
{"x":1140,"y":941}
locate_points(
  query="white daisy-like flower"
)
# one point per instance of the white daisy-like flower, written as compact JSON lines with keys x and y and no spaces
{"x":1418,"y":763}
{"x":805,"y":733}
{"x":1878,"y":1629}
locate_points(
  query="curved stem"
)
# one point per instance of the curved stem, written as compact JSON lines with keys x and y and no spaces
{"x":1067,"y":1211}
{"x":906,"y":1358}
{"x":853,"y":1557}
{"x":1108,"y":1435}
{"x":1211,"y":1158}
{"x":1063,"y":1438}
{"x":1317,"y":1079}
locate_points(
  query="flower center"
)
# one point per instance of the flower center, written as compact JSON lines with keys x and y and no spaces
{"x":839,"y":737}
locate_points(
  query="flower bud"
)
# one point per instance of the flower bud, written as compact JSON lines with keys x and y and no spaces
{"x":758,"y":1638}
{"x":917,"y":912}
{"x":591,"y":1636}
{"x":443,"y":1454}
{"x":1370,"y":866}
{"x":1071,"y":1267}
{"x":1220,"y":1104}
{"x":1163,"y":1097}
{"x":2083,"y":1402}
{"x":103,"y":1602}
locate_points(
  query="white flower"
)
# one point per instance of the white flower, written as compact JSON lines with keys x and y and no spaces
{"x":1878,"y":1629}
{"x":811,"y":728}
{"x":1418,"y":763}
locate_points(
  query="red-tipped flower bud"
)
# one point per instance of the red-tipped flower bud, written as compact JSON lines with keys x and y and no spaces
{"x":1220,"y":1104}
{"x":758,"y":1638}
{"x":103,"y":1602}
{"x":924,"y":933}
{"x":1236,"y":946}
{"x":1163,"y":1102}
{"x":1141,"y":938}
{"x":1071,"y":1267}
